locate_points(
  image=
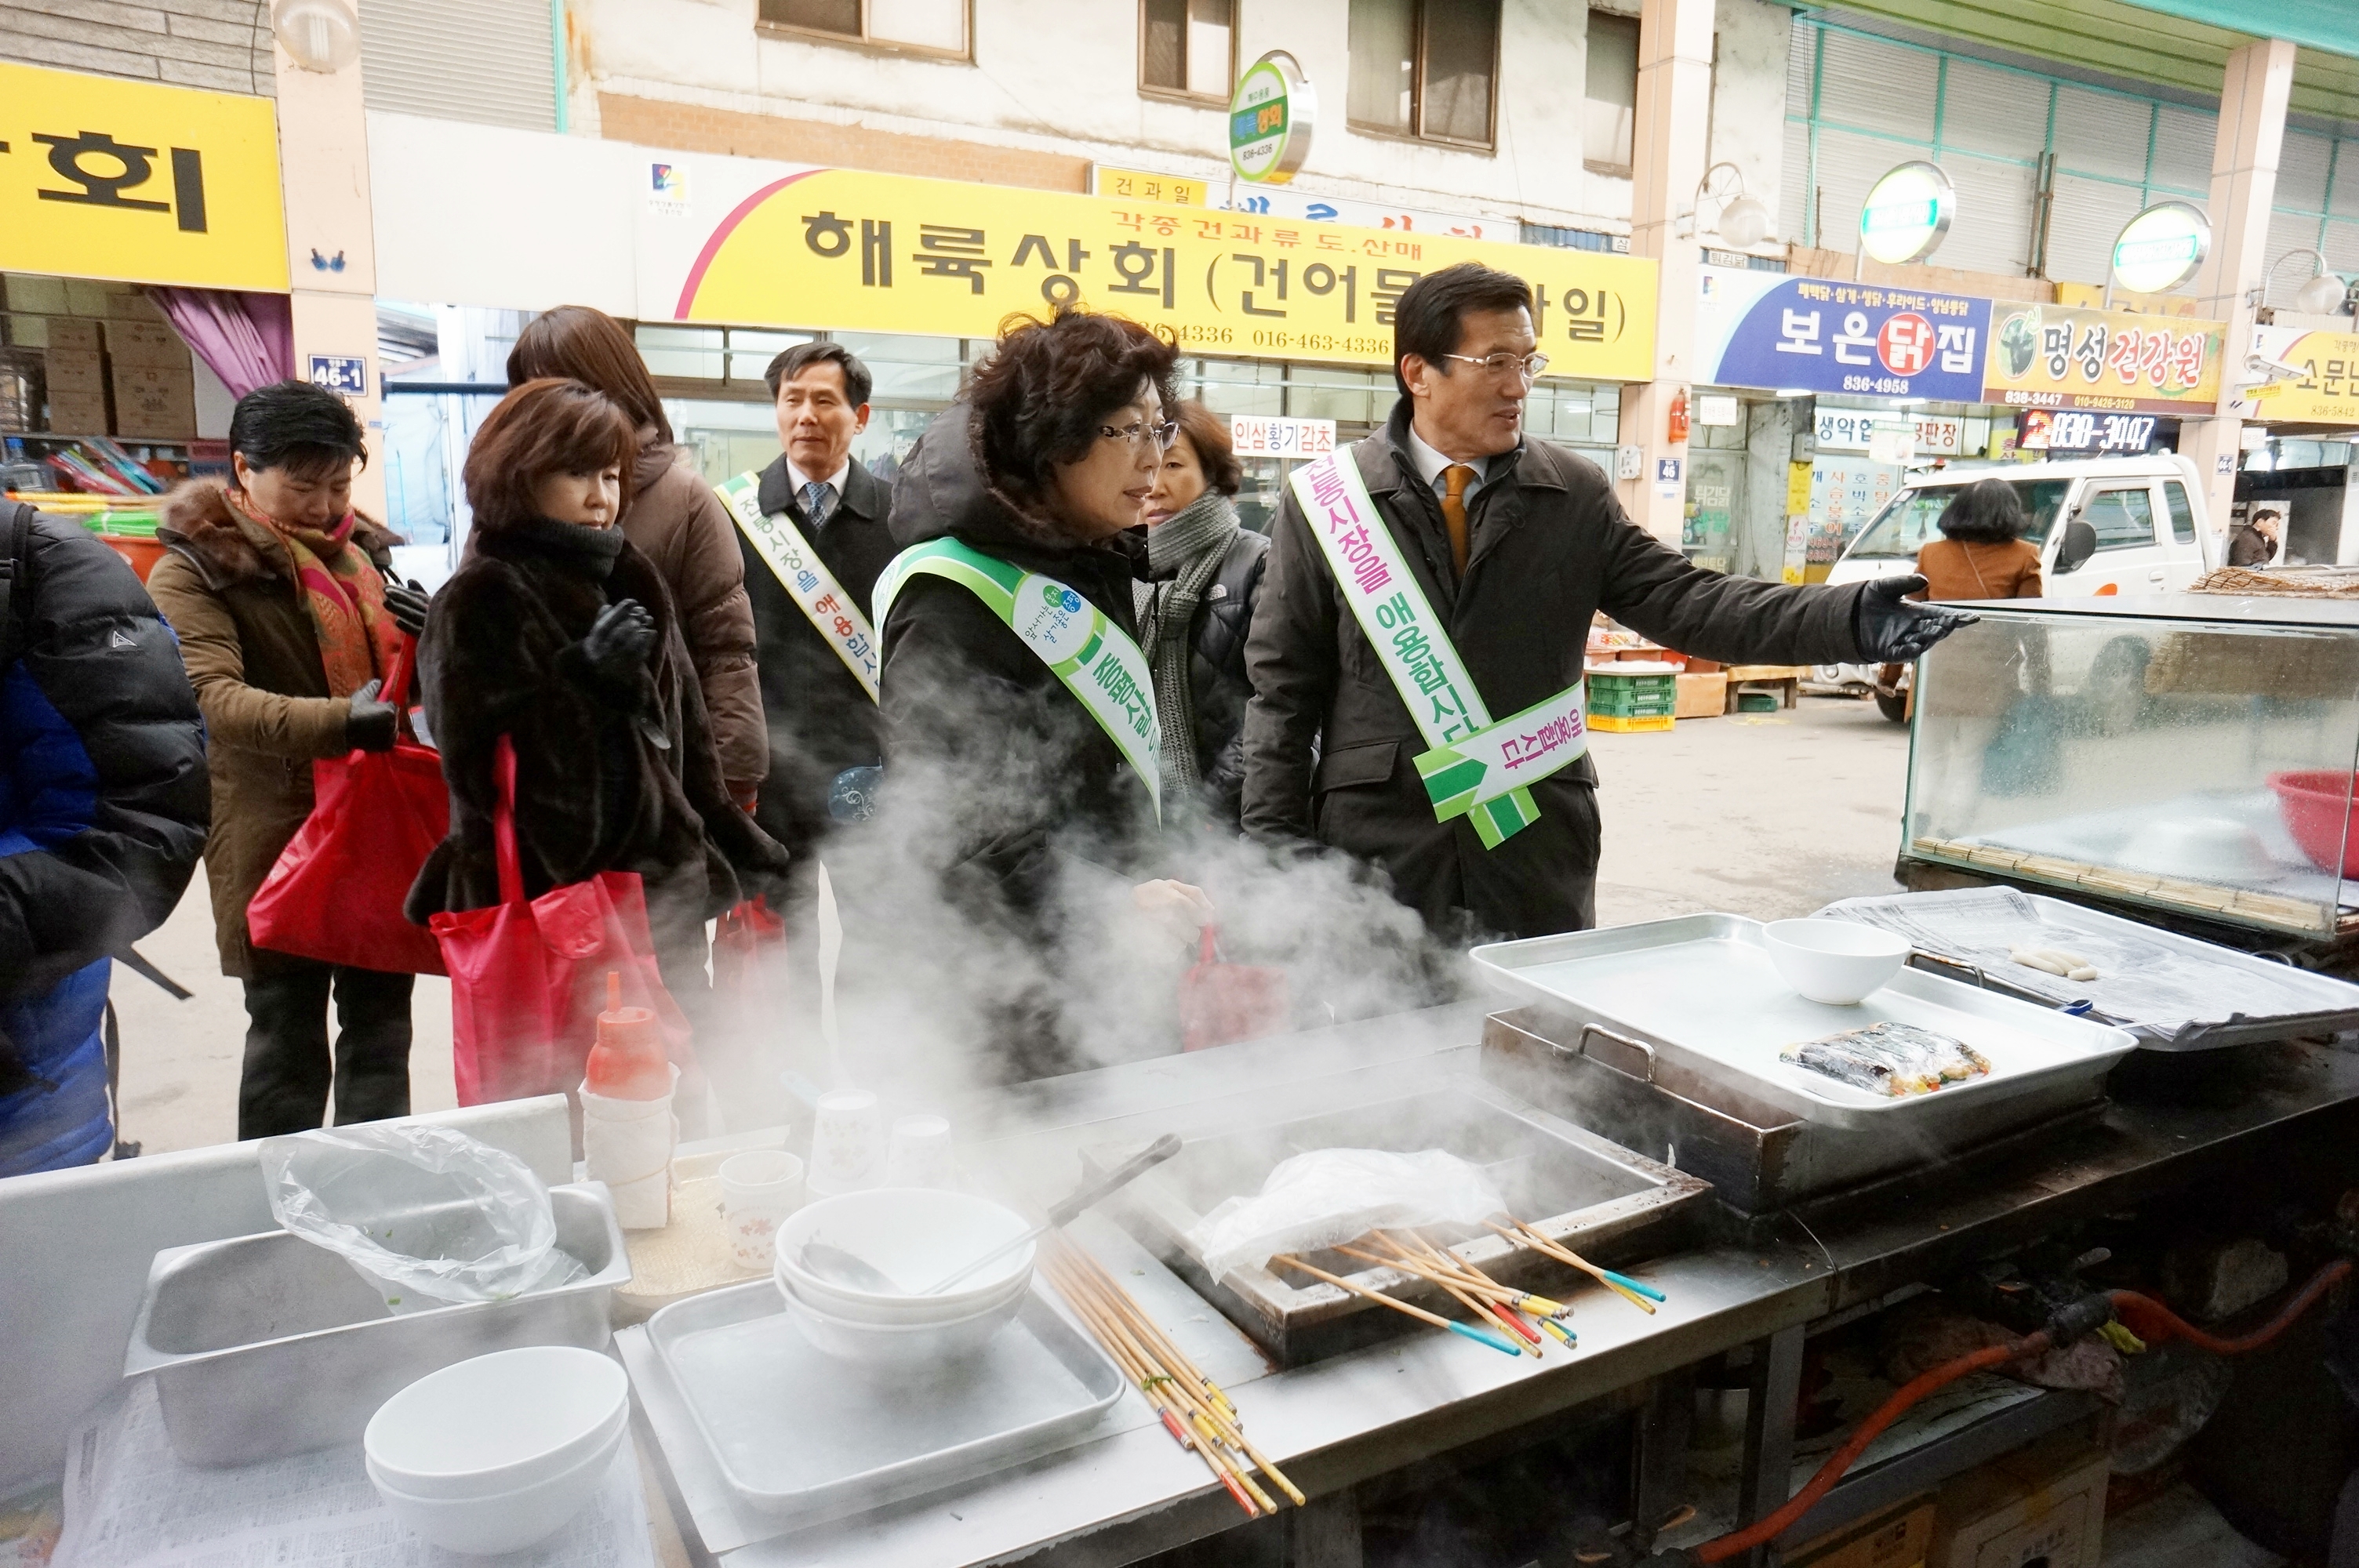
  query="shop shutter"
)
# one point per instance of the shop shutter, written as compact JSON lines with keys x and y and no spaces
{"x":1993,"y":230}
{"x":1879,"y":86}
{"x":2086,"y":219}
{"x":2289,"y":232}
{"x":1987,"y":110}
{"x":1794,"y":177}
{"x":2301,"y":172}
{"x":1849,"y":167}
{"x":486,"y":60}
{"x":2183,"y":140}
{"x":2102,"y":132}
{"x":2346,"y":180}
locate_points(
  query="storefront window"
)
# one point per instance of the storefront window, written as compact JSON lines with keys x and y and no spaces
{"x":1914,"y":518}
{"x":700,"y":354}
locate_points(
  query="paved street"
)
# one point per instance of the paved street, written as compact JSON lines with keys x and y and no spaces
{"x":1767,"y":815}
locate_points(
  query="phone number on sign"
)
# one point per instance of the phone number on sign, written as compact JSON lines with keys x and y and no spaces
{"x":1321,"y":342}
{"x":2059,"y":399}
{"x":1892,"y":385}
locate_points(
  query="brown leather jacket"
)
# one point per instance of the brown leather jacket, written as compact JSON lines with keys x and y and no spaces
{"x":1983,"y":569}
{"x":677,"y":523}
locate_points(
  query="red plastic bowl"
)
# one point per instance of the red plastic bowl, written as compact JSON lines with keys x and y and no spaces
{"x":2322,"y":817}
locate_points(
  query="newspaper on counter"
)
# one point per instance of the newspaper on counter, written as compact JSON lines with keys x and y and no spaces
{"x":131,"y":1503}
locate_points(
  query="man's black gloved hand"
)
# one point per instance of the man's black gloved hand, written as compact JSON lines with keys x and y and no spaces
{"x":406,"y":602}
{"x":370,"y":724}
{"x":616,"y":647}
{"x":1891,"y":631}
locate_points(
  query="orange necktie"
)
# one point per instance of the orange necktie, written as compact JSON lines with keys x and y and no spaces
{"x":1455,"y":481}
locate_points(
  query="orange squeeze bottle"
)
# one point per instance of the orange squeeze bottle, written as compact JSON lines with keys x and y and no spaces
{"x":628,"y":1060}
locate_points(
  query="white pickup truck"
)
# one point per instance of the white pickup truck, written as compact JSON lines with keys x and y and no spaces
{"x":2102,"y":525}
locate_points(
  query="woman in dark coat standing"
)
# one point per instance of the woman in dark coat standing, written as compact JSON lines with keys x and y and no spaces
{"x":995,"y":769}
{"x":1193,"y":615}
{"x":558,"y":632}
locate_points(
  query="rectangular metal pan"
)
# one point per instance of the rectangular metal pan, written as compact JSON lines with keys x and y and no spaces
{"x":2244,"y":999}
{"x":264,"y":1346}
{"x":796,"y":1432}
{"x":1700,"y":992}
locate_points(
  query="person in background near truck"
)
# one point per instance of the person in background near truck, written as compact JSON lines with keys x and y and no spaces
{"x":1981,"y":553}
{"x":672,"y":516}
{"x":103,"y":806}
{"x":277,"y":590}
{"x":1205,"y":573}
{"x":2255,"y":545}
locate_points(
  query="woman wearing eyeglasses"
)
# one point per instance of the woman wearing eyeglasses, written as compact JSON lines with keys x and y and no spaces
{"x":1022,"y":743}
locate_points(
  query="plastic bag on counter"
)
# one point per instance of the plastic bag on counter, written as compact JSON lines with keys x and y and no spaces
{"x":1327,"y":1195}
{"x":429,"y":1216}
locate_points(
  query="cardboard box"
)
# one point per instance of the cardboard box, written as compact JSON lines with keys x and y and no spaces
{"x":1898,"y":1537}
{"x":2044,"y":1505}
{"x":1702,"y":696}
{"x":78,"y":414}
{"x":80,"y":333}
{"x":156,"y":402}
{"x":146,"y":343}
{"x":74,"y":370}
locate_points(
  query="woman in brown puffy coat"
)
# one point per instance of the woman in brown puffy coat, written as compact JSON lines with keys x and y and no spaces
{"x":673,"y":518}
{"x":1981,"y":553}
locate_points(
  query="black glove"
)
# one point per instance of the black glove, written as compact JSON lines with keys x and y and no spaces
{"x":616,"y":647}
{"x":406,"y":602}
{"x":370,"y":725}
{"x":1890,"y":631}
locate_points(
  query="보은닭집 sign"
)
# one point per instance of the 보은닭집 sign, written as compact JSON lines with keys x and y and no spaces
{"x":893,"y":253}
{"x":1812,"y":334}
{"x":105,"y":177}
{"x":2057,"y":356}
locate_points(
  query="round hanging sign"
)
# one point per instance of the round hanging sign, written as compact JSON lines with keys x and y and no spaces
{"x":1270,"y":119}
{"x":1908,"y":214}
{"x":2162,"y":247}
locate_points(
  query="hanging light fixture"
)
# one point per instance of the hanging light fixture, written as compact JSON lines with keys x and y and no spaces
{"x":2325,"y":293}
{"x":1744,"y":219}
{"x":321,"y":35}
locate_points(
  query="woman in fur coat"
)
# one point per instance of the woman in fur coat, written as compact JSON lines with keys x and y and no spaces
{"x":556,"y":633}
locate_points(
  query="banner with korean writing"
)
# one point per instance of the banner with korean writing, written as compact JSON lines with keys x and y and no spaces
{"x":2328,"y":390}
{"x":2060,"y":356}
{"x":839,"y":249}
{"x":1815,"y":335}
{"x":133,"y":181}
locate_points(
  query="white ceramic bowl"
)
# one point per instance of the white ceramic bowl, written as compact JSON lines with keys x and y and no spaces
{"x":503,"y":1521}
{"x":909,"y":1347}
{"x":491,"y":1424}
{"x":914,"y":1236}
{"x":1835,"y":961}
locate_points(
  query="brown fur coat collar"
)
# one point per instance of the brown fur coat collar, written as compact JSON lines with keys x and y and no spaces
{"x":197,"y":520}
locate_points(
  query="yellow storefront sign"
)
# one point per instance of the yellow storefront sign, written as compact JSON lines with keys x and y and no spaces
{"x":2328,"y":392}
{"x":1146,"y":185}
{"x":133,"y":181}
{"x":890,"y":253}
{"x":2060,"y":356}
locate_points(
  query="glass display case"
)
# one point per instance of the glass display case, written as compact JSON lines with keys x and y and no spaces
{"x":2193,"y":753}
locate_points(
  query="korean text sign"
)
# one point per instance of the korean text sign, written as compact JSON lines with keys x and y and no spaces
{"x":2056,"y":356}
{"x":894,"y":253}
{"x":1816,"y":334}
{"x":105,"y":177}
{"x":2328,"y":392}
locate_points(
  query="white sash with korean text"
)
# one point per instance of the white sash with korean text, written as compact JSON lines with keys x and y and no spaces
{"x":834,"y":613}
{"x":1472,"y":767}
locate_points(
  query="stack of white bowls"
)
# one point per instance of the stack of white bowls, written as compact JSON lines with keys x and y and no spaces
{"x":914,"y":1237}
{"x":494,"y":1453}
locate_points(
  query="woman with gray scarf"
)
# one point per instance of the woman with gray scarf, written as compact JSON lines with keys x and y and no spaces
{"x":1205,"y":572}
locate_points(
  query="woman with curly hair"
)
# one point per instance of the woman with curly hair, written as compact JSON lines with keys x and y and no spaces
{"x":1022,"y":743}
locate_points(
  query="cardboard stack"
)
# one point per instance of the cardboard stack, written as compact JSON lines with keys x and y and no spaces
{"x":74,"y":363}
{"x":155,"y":387}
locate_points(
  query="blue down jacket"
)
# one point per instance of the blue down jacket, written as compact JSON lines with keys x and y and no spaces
{"x":103,"y":798}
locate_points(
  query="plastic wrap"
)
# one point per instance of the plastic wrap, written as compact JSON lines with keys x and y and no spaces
{"x":1315,"y":1200}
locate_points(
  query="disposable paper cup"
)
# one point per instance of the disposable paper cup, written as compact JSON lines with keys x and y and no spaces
{"x":847,"y":1143}
{"x":758,"y":1190}
{"x":919,"y":1155}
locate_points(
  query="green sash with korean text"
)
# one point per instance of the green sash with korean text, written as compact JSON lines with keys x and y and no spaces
{"x":1472,"y":767}
{"x":1094,"y":658}
{"x":832,"y":612}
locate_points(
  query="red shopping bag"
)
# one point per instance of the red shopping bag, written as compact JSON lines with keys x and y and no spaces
{"x":1222,"y":1003}
{"x":749,"y":945}
{"x":336,"y":892}
{"x":528,"y":979}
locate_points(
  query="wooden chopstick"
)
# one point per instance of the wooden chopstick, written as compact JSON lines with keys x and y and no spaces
{"x":1480,"y":1336}
{"x":1628,"y":1290}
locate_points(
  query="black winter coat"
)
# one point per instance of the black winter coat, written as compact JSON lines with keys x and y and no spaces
{"x":1549,"y":545}
{"x":821,"y":719}
{"x":502,"y":654}
{"x":1218,"y":682}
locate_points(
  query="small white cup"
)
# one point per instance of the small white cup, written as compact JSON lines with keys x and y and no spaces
{"x":758,"y":1189}
{"x":919,"y":1154}
{"x":847,"y":1143}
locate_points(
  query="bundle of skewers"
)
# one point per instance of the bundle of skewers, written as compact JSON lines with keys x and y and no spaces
{"x":1191,"y":1407}
{"x":1506,"y":1318}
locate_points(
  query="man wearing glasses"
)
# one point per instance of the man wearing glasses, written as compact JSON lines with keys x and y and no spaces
{"x":1417,"y":655}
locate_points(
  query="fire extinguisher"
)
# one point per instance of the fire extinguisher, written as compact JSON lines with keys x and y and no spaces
{"x":1678,"y":431}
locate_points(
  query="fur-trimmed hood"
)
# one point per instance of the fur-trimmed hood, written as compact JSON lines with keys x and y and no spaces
{"x":945,"y":491}
{"x":197,"y":520}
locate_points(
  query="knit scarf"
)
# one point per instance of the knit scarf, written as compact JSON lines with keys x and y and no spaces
{"x":593,"y":552}
{"x":1193,"y":540}
{"x":343,"y":595}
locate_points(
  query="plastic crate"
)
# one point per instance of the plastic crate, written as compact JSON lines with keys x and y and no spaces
{"x":1610,"y":724}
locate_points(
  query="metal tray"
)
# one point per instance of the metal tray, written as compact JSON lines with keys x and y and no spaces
{"x":264,"y":1346}
{"x":1700,"y":992}
{"x":795,"y":1430}
{"x":2243,"y":1000}
{"x":1568,"y":1184}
